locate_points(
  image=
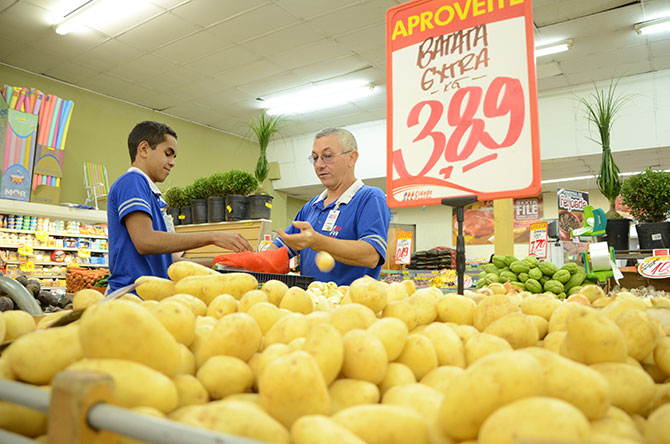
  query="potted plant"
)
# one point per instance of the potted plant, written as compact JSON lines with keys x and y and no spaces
{"x":239,"y":184}
{"x":184,"y":204}
{"x":174,"y":197}
{"x":216,"y":190}
{"x":602,"y":106}
{"x":197,"y":192}
{"x":264,"y":127}
{"x":647,"y":194}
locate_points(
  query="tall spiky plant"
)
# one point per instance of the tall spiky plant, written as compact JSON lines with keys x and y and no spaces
{"x":264,"y":127}
{"x":602,"y":106}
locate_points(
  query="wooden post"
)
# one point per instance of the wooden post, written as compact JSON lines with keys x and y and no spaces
{"x":73,"y":393}
{"x":503,"y":221}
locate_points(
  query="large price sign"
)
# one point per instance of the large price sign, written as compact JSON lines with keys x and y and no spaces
{"x":655,"y":267}
{"x":461,"y":101}
{"x":537,"y":246}
{"x":403,"y":251}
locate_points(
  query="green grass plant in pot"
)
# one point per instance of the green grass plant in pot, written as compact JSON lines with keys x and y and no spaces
{"x":174,"y":197}
{"x":184,"y":203}
{"x":264,"y":128}
{"x":602,"y":107}
{"x":239,"y":185}
{"x":216,"y":192}
{"x":197,"y":192}
{"x":647,"y":194}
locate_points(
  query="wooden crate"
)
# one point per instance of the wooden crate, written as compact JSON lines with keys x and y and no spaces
{"x":252,"y":230}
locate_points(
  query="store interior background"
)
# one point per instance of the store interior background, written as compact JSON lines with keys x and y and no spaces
{"x":199,"y":66}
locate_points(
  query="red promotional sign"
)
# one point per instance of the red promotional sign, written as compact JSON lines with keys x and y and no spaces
{"x":537,"y":246}
{"x":461,"y":101}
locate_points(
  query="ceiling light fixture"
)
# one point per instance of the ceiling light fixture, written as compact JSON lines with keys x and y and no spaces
{"x":316,"y":97}
{"x":653,"y":26}
{"x":553,"y":48}
{"x":97,"y":12}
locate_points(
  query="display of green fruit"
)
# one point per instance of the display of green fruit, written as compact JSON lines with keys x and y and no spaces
{"x":575,"y":280}
{"x":482,"y":275}
{"x":523,"y":277}
{"x":574,"y":290}
{"x":504,"y":269}
{"x":492,"y":278}
{"x":532,"y":261}
{"x":507,"y":275}
{"x":561,"y":295}
{"x":554,"y":286}
{"x":544,"y":279}
{"x":498,"y":261}
{"x":520,"y":285}
{"x":561,"y":276}
{"x":510,"y":258}
{"x":519,"y":267}
{"x":490,"y":268}
{"x":481,"y":283}
{"x":533,"y":286}
{"x":572,"y":267}
{"x":547,"y":268}
{"x":549,"y":293}
{"x":535,"y":273}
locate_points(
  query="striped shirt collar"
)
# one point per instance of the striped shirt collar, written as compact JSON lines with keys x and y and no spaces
{"x":346,"y":197}
{"x":152,"y":185}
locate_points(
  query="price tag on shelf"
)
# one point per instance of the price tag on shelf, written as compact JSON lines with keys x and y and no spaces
{"x":403,"y":250}
{"x":655,"y":267}
{"x":461,"y":101}
{"x":42,"y":236}
{"x":25,"y":250}
{"x":538,"y":240}
{"x":82,"y":252}
{"x":27,"y":266}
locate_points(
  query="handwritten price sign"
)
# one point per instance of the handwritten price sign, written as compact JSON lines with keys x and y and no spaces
{"x":403,"y":251}
{"x":461,"y":101}
{"x":538,"y":240}
{"x":655,"y":267}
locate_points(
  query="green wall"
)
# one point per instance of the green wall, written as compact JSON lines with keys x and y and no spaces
{"x":98,"y":133}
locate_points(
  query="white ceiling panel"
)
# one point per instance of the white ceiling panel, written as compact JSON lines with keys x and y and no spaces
{"x":192,"y":47}
{"x":172,"y":79}
{"x":208,"y":12}
{"x":273,"y":84}
{"x":67,"y":45}
{"x":158,"y":32}
{"x":71,"y":72}
{"x":108,"y":55}
{"x":308,"y":54}
{"x":363,"y":39}
{"x":310,"y":8}
{"x":113,"y":26}
{"x":260,"y":69}
{"x":353,"y":17}
{"x":547,"y":12}
{"x":224,"y":99}
{"x":222,"y":60}
{"x":331,"y":68}
{"x":33,"y":59}
{"x":142,"y":68}
{"x":256,"y":22}
{"x":168,"y":4}
{"x":284,"y":40}
{"x":26,"y":20}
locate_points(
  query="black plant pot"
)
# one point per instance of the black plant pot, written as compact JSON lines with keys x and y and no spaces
{"x":185,"y":216}
{"x":199,"y":208}
{"x":216,"y":209}
{"x":260,"y":206}
{"x":618,"y":233}
{"x":237,"y":207}
{"x":174,"y":212}
{"x":653,"y":235}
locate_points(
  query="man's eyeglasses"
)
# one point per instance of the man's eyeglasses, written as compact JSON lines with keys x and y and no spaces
{"x":327,"y":158}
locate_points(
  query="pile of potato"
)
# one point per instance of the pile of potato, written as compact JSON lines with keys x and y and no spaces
{"x":370,"y":363}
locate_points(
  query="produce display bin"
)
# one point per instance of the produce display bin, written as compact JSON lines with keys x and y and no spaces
{"x":292,"y":280}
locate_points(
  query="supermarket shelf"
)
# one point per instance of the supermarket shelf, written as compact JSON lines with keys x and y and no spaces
{"x":53,"y":248}
{"x":53,"y":211}
{"x":91,"y":236}
{"x":61,"y":264}
{"x":45,"y":276}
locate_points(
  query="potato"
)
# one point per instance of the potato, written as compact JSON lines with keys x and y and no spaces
{"x":558,"y":320}
{"x":573,"y":382}
{"x":186,"y":362}
{"x":223,"y":304}
{"x":465,"y":332}
{"x":286,"y":329}
{"x":225,"y":375}
{"x":419,"y":355}
{"x":250,"y":298}
{"x":18,"y":323}
{"x":326,"y":346}
{"x":621,"y":304}
{"x":190,"y":390}
{"x":208,"y":287}
{"x":135,"y":384}
{"x":239,"y":418}
{"x":237,"y":335}
{"x":483,"y":344}
{"x":182,"y":269}
{"x":287,"y":400}
{"x":39,"y":355}
{"x":396,"y":374}
{"x":456,"y":308}
{"x":662,"y":355}
{"x":493,"y":381}
{"x":397,"y":291}
{"x":440,"y":378}
{"x":275,"y":290}
{"x":364,"y":357}
{"x":592,"y":338}
{"x":620,"y":429}
{"x":259,"y":361}
{"x":541,"y":324}
{"x":297,"y":300}
{"x":516,"y":328}
{"x":85,"y":298}
{"x":177,"y":319}
{"x":198,"y":307}
{"x":201,"y":332}
{"x":265,"y":314}
{"x":491,"y":309}
{"x":123,"y":330}
{"x":640,"y":331}
{"x":316,"y":429}
{"x":533,"y":419}
{"x":131,"y":298}
{"x":345,"y":393}
{"x":631,"y":389}
{"x":424,"y":302}
{"x":384,"y":424}
{"x":425,"y":400}
{"x":553,"y":341}
{"x":658,"y":424}
{"x":592,"y":292}
{"x":5,"y":371}
{"x":352,"y":316}
{"x":393,"y":334}
{"x":448,"y":346}
{"x":154,"y":288}
{"x":45,"y":321}
{"x":22,"y":420}
{"x":369,"y":292}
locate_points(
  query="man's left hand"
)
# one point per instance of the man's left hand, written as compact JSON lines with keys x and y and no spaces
{"x":299,"y":241}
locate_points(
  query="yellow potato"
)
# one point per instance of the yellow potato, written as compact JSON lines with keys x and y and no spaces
{"x":262,"y":360}
{"x":662,"y":355}
{"x":225,"y":375}
{"x":251,"y":298}
{"x":535,"y":419}
{"x":5,"y":371}
{"x":297,"y":300}
{"x":631,"y":388}
{"x":131,"y":298}
{"x":182,"y":269}
{"x":352,"y":316}
{"x":553,"y":341}
{"x":123,"y":330}
{"x":491,"y":309}
{"x":284,"y":398}
{"x":448,"y":346}
{"x":494,"y":381}
{"x":540,"y":305}
{"x":317,"y":317}
{"x":237,"y":335}
{"x":425,"y":400}
{"x":316,"y":429}
{"x":658,"y":424}
{"x":223,"y":304}
{"x":198,"y":307}
{"x":324,"y":261}
{"x":465,"y":332}
{"x":201,"y":332}
{"x":516,"y":328}
{"x":641,"y":333}
{"x":39,"y":355}
{"x":440,"y":378}
{"x":661,"y":396}
{"x":396,"y":374}
{"x":275,"y":290}
{"x":541,"y":324}
{"x":592,"y":338}
{"x":364,"y":356}
{"x":369,"y":292}
{"x":410,"y":286}
{"x":620,"y":429}
{"x":592,"y":292}
{"x":177,"y":319}
{"x":297,"y":344}
{"x":419,"y":355}
{"x":456,"y":308}
{"x":483,"y":344}
{"x":208,"y":287}
{"x":22,"y":420}
{"x":620,"y":305}
{"x":424,"y":302}
{"x":154,"y":288}
{"x":393,"y":334}
{"x":45,"y":321}
{"x":558,"y":320}
{"x":286,"y":329}
{"x":265,"y":314}
{"x":186,"y":362}
{"x":18,"y":323}
{"x":402,"y":310}
{"x":345,"y":393}
{"x":326,"y":346}
{"x":85,"y":298}
{"x":397,"y":291}
{"x":190,"y":390}
{"x":384,"y":424}
{"x":134,"y":384}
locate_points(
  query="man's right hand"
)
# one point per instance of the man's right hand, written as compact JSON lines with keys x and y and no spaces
{"x":231,"y":241}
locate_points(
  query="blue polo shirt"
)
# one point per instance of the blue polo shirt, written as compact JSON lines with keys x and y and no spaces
{"x":133,"y":191}
{"x":364,"y":216}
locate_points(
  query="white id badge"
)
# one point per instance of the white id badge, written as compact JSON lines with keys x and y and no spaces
{"x":330,"y":220}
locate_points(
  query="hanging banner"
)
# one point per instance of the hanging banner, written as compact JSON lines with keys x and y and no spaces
{"x":571,"y":205}
{"x":461,"y":101}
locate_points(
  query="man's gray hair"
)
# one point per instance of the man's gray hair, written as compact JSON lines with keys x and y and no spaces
{"x":345,"y":138}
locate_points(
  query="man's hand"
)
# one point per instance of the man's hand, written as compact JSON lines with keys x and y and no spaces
{"x":299,"y":241}
{"x":231,"y":241}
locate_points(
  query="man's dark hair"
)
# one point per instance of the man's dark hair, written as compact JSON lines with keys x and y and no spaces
{"x":153,"y":132}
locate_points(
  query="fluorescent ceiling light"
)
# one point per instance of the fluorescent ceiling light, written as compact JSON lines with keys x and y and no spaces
{"x":653,"y":26}
{"x":315,"y":97}
{"x":97,"y":13}
{"x":553,"y":48}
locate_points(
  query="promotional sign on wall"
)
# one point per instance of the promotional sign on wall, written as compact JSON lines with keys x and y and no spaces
{"x":461,"y":101}
{"x":571,"y":205}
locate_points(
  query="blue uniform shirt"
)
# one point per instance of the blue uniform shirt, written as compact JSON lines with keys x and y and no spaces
{"x":364,"y":216}
{"x":133,"y":191}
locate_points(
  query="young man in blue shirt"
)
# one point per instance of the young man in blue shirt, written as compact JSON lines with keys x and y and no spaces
{"x":349,"y":220}
{"x":141,"y":235}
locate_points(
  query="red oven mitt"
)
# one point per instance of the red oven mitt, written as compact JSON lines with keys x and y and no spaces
{"x":268,"y":261}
